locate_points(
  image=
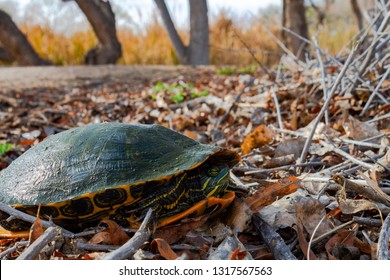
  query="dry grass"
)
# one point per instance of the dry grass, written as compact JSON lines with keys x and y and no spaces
{"x":152,"y":46}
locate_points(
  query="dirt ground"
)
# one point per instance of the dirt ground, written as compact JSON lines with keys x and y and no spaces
{"x":16,"y":78}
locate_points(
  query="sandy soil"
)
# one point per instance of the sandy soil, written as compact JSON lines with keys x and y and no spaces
{"x":58,"y":76}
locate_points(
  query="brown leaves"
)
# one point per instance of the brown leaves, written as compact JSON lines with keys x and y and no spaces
{"x":267,"y":195}
{"x":345,"y":245}
{"x":36,"y":229}
{"x":162,"y":246}
{"x":173,"y":233}
{"x":113,"y":234}
{"x":260,"y":136}
{"x":310,"y":219}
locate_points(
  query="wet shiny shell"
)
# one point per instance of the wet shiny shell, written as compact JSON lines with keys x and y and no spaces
{"x":89,"y":159}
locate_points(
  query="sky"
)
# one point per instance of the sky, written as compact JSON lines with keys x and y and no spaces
{"x":129,"y":13}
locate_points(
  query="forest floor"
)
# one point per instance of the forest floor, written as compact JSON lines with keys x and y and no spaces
{"x":72,"y":76}
{"x":325,"y":202}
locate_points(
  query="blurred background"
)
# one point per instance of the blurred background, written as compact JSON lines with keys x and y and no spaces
{"x":241,"y":32}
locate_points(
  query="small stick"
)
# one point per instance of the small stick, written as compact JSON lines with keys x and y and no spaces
{"x":128,"y":249}
{"x":33,"y":250}
{"x":280,"y":120}
{"x":95,"y":247}
{"x":261,"y":170}
{"x":312,"y":237}
{"x":367,"y":221}
{"x":272,"y":239}
{"x":379,"y":118}
{"x":346,"y":155}
{"x":323,"y":82}
{"x":383,"y":241}
{"x":283,"y":47}
{"x":250,"y":52}
{"x":224,"y":117}
{"x":361,"y":143}
{"x":14,"y":213}
{"x":13,"y":248}
{"x":375,"y":92}
{"x":326,"y":234}
{"x":325,"y":106}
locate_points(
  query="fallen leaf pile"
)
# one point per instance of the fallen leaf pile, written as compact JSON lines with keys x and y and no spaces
{"x":321,"y":185}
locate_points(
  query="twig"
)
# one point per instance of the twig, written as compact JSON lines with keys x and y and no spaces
{"x":238,"y":97}
{"x":312,"y":236}
{"x":130,"y":247}
{"x":386,"y":116}
{"x":383,"y":241}
{"x":250,"y":52}
{"x":346,"y":155}
{"x":323,"y":82}
{"x":375,"y":92}
{"x":283,"y":47}
{"x":272,"y":239}
{"x":311,"y":44}
{"x":33,"y":250}
{"x":363,"y":189}
{"x":367,"y":221}
{"x":16,"y":214}
{"x":13,"y":248}
{"x":360,"y":143}
{"x":95,"y":247}
{"x":279,"y":115}
{"x":325,"y":106}
{"x":326,"y":234}
{"x":262,"y":170}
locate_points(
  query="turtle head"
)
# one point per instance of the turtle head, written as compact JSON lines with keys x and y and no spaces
{"x":215,"y":179}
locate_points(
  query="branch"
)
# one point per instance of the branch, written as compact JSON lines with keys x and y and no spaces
{"x":178,"y":45}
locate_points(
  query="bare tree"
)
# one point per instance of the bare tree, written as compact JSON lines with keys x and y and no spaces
{"x":357,"y":13}
{"x":15,"y":44}
{"x":197,"y":52}
{"x":102,"y":20}
{"x":294,"y":19}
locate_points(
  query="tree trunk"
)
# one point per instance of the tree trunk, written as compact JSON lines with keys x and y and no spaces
{"x":295,"y":20}
{"x":15,"y":45}
{"x":4,"y":55}
{"x":102,"y":20}
{"x":180,"y":49}
{"x":197,"y":53}
{"x":199,"y":48}
{"x":357,"y":13}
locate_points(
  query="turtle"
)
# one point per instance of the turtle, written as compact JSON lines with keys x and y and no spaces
{"x":117,"y":171}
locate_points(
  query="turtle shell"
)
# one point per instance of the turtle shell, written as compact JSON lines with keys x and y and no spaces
{"x":87,"y":160}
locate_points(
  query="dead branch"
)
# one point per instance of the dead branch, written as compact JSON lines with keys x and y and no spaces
{"x":130,"y":247}
{"x":272,"y":239}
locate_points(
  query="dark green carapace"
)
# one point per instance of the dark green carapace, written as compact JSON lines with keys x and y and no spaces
{"x":117,"y":171}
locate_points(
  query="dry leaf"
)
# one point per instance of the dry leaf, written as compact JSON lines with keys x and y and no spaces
{"x":290,"y":146}
{"x":260,"y":136}
{"x":310,"y":212}
{"x":163,"y":248}
{"x":349,"y":242}
{"x":112,"y":235}
{"x":36,"y":229}
{"x":269,"y":194}
{"x":279,"y":161}
{"x":102,"y":237}
{"x":173,"y":233}
{"x":240,"y":215}
{"x":352,"y":206}
{"x":238,"y":255}
{"x":358,"y":130}
{"x":227,"y":248}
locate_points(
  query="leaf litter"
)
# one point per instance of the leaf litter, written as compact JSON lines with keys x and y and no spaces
{"x":325,"y":200}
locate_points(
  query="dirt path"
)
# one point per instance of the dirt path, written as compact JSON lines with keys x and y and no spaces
{"x":57,"y":76}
